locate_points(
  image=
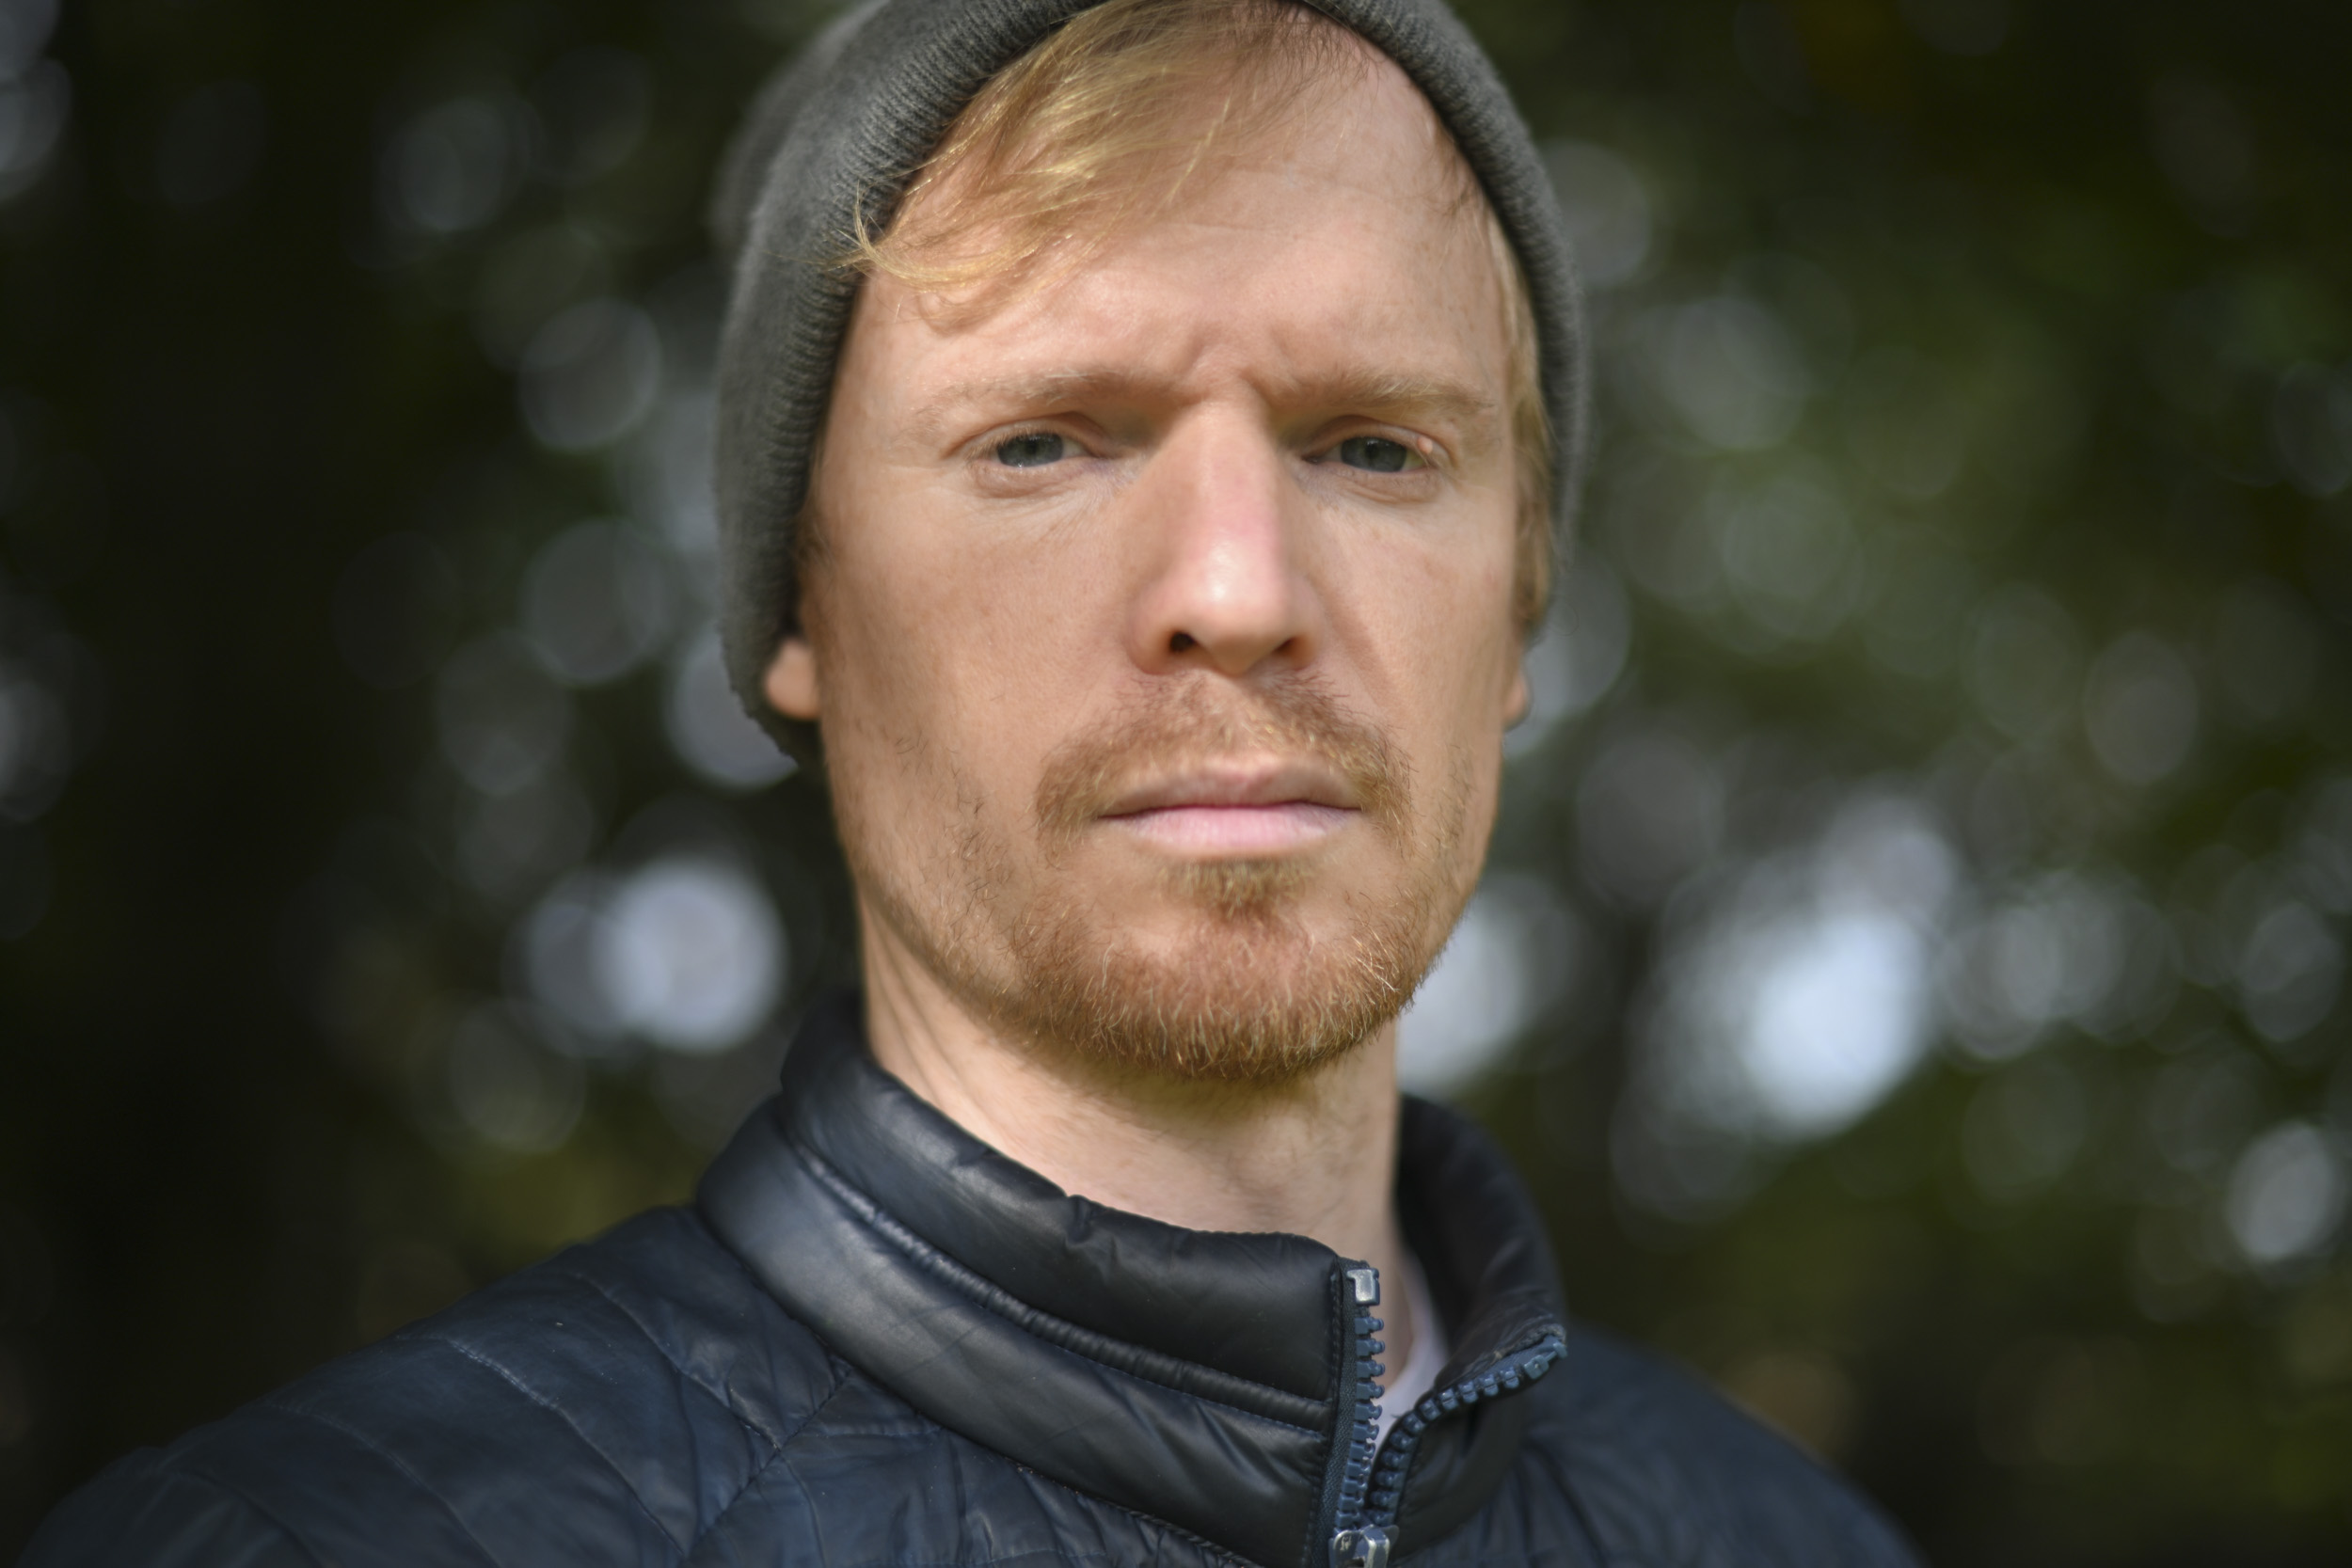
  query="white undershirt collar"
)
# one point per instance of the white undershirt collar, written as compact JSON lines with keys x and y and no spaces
{"x":1407,"y":1383}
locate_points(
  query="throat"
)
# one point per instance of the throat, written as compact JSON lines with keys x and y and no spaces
{"x":1312,"y":1155}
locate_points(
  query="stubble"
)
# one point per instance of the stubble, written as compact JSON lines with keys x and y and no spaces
{"x":1245,"y":992}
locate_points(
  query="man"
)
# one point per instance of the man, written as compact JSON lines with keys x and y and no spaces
{"x":1143,"y":428}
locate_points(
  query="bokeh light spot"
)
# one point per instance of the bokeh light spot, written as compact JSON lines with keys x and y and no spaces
{"x":597,"y":601}
{"x":1838,"y":1016}
{"x":2310,"y":423}
{"x":1729,"y":369}
{"x":454,"y":167}
{"x":1607,"y":208}
{"x":1784,"y":547}
{"x":2290,"y":972}
{"x":2286,"y":1194}
{"x":1513,"y":954}
{"x":590,"y":375}
{"x":2024,"y":659}
{"x":691,"y":952}
{"x":2139,"y":707}
{"x":502,"y":719}
{"x":25,"y":29}
{"x":36,"y":745}
{"x":33,"y":108}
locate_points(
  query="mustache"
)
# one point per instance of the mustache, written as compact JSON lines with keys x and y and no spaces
{"x":1201,"y":720}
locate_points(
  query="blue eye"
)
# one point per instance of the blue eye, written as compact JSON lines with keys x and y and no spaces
{"x":1375,"y":454}
{"x":1033,"y":451}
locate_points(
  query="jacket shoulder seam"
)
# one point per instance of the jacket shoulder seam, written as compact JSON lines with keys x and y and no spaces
{"x":564,"y":1415}
{"x":723,"y":1395}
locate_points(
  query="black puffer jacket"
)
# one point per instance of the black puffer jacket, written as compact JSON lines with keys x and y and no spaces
{"x":877,"y":1342}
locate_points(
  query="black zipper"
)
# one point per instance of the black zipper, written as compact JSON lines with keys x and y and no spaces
{"x":1371,"y":1485}
{"x":1356,"y":1541}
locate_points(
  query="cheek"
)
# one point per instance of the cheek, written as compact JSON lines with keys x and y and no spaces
{"x":1460,"y":658}
{"x":948,"y":664}
{"x":1446,"y":640}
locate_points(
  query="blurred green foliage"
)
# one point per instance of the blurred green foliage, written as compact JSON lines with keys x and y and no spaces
{"x":1912,"y":971}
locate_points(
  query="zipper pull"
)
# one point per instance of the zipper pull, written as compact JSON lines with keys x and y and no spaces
{"x":1367,"y":1548}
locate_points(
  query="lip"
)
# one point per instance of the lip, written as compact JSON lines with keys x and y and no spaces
{"x":1237,"y":788}
{"x":1221,"y":812}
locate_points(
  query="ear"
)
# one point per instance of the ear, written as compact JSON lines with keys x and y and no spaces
{"x":1516,"y":698}
{"x":791,"y":684}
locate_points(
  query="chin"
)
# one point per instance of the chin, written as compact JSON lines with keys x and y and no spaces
{"x":1237,"y":987}
{"x":1239,"y":893}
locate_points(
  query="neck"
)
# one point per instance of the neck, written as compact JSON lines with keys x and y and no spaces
{"x":1314,"y":1156}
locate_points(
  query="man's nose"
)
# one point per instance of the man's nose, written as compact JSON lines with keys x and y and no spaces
{"x":1221,"y":534}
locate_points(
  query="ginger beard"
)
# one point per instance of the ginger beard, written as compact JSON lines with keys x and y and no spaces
{"x":1244,"y":990}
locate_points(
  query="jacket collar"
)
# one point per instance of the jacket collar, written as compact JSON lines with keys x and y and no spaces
{"x":1214,"y":1381}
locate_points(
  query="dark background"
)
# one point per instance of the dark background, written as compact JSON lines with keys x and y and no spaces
{"x":1912,"y":968}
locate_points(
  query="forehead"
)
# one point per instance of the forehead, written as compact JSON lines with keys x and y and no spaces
{"x":1344,"y":228}
{"x":1105,"y":122}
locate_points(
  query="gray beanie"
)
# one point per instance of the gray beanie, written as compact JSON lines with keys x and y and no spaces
{"x":848,"y":119}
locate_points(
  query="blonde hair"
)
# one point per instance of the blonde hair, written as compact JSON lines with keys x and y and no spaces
{"x":1097,"y":129}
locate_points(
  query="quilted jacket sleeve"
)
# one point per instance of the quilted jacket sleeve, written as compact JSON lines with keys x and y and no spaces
{"x":145,"y":1513}
{"x":605,"y":1406}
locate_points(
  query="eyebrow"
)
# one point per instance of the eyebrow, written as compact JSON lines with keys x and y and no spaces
{"x":1354,"y":391}
{"x":1376,"y":392}
{"x":1028,"y":391}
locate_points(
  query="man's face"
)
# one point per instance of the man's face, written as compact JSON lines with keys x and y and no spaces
{"x":1161,"y":623}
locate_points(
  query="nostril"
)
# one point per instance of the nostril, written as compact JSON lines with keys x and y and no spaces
{"x":1182,"y":642}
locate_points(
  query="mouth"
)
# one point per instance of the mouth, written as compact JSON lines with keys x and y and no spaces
{"x":1236,"y":813}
